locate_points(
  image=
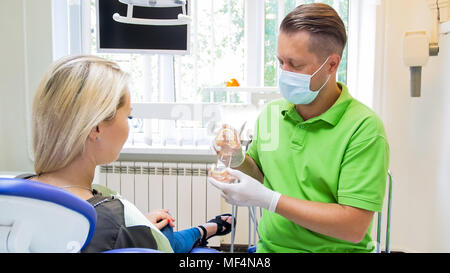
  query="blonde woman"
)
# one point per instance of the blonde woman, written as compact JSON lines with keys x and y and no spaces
{"x":80,"y":120}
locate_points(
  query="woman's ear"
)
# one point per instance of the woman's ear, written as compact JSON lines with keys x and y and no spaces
{"x":94,"y":134}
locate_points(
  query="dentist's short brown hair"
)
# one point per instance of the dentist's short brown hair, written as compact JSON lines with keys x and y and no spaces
{"x":326,"y":28}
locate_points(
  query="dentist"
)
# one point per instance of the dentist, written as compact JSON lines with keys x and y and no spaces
{"x":318,"y":164}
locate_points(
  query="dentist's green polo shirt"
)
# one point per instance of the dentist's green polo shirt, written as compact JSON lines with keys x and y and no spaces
{"x":341,"y":156}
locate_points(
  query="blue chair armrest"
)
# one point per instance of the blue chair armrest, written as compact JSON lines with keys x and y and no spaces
{"x":133,"y":250}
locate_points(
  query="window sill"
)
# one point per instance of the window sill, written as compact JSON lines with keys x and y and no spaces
{"x":168,"y":153}
{"x":247,"y":89}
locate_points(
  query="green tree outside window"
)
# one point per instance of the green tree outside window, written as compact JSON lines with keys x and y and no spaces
{"x":272,"y":29}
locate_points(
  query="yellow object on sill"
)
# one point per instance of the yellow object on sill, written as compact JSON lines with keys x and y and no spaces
{"x":232,"y":82}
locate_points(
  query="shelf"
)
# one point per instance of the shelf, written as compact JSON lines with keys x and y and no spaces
{"x":242,"y":89}
{"x":169,"y":153}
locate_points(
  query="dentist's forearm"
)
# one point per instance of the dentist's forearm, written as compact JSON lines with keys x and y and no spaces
{"x":250,"y":168}
{"x":335,"y":220}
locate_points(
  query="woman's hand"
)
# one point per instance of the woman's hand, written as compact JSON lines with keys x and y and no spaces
{"x":160,"y":218}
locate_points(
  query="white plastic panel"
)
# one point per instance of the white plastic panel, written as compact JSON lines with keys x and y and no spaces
{"x":51,"y":228}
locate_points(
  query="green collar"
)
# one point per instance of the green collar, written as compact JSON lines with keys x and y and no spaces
{"x":331,"y":116}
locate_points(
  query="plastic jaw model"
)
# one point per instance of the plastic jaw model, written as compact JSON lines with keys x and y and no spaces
{"x":220,"y":173}
{"x":227,"y":141}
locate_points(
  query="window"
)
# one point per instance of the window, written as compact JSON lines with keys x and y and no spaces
{"x":224,"y":33}
{"x":137,"y":65}
{"x":275,"y":11}
{"x":217,"y":52}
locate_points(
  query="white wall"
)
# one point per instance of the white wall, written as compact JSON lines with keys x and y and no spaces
{"x":25,"y":53}
{"x":419,"y":134}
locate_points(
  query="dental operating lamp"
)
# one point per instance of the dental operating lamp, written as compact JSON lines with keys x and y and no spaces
{"x":182,"y":19}
{"x":144,"y":26}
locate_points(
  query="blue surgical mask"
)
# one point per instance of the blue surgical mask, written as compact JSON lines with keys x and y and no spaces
{"x":295,"y":87}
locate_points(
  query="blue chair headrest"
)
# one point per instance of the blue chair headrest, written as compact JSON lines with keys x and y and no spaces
{"x":21,"y":195}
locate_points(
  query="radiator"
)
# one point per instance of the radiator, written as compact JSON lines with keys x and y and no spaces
{"x":180,"y":187}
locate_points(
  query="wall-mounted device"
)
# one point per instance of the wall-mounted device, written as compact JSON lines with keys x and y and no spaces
{"x":415,"y":55}
{"x":182,"y":18}
{"x":418,"y":45}
{"x":143,"y":26}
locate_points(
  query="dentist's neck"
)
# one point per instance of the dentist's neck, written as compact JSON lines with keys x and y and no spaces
{"x":326,"y":98}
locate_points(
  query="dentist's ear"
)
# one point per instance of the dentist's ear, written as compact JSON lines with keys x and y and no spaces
{"x":334,"y":62}
{"x":94,"y":134}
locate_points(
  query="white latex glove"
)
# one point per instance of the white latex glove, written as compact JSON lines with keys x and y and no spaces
{"x":248,"y":192}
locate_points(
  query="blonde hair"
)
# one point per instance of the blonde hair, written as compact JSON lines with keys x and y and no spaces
{"x":74,"y":96}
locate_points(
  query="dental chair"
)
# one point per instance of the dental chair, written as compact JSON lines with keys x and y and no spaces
{"x":40,"y":218}
{"x":133,"y":250}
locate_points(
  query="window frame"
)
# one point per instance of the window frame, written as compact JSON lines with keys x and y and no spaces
{"x":254,"y":44}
